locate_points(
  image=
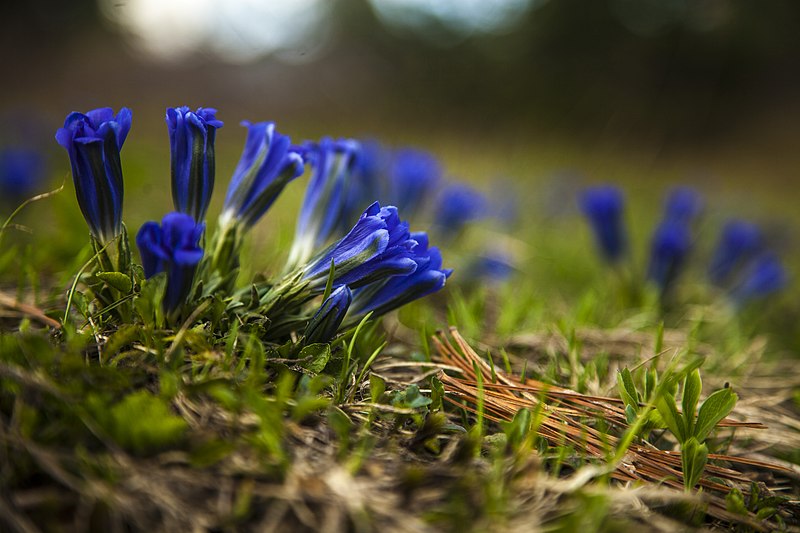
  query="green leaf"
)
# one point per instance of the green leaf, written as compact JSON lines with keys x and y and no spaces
{"x":314,"y":357}
{"x":437,"y":394}
{"x":517,"y":430}
{"x":694,"y":457}
{"x":715,"y":408}
{"x":144,"y":424}
{"x":376,"y":388}
{"x":411,"y":398}
{"x":669,"y":413}
{"x":692,"y":386}
{"x":627,"y":389}
{"x":116,"y":280}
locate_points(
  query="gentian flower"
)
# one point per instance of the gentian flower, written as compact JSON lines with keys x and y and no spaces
{"x":492,"y":266}
{"x":603,"y":207}
{"x":172,"y":248}
{"x":322,"y":207}
{"x":766,"y":275}
{"x":191,"y":141}
{"x":457,"y":205}
{"x":414,"y":176}
{"x":738,"y":242}
{"x":427,"y":278}
{"x":683,"y":204}
{"x":22,"y":171}
{"x":326,"y":321}
{"x":93,"y":142}
{"x":379,"y":245}
{"x":366,"y":184}
{"x":268,"y":163}
{"x":670,"y":246}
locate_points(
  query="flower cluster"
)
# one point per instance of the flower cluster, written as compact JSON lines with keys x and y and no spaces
{"x":743,"y":263}
{"x":740,"y":264}
{"x":376,"y":266}
{"x":348,"y":176}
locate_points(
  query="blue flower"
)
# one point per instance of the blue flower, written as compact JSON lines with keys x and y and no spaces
{"x":22,"y":171}
{"x":379,"y":245}
{"x":670,"y":247}
{"x":93,"y":142}
{"x":493,"y":267}
{"x":367,"y":182}
{"x":268,"y":163}
{"x":332,"y":162}
{"x":683,"y":204}
{"x":191,"y":141}
{"x":172,"y":248}
{"x":427,"y":278}
{"x":414,"y":176}
{"x":738,"y":242}
{"x":326,"y":321}
{"x":766,"y":275}
{"x":457,"y":205}
{"x":603,"y":206}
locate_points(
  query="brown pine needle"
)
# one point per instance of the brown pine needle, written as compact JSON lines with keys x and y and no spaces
{"x":563,"y":423}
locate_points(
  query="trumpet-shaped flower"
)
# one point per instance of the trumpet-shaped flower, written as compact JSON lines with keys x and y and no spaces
{"x":323,"y":205}
{"x":457,"y":205}
{"x":267,"y":165}
{"x":603,"y":206}
{"x":738,"y":242}
{"x":379,"y":246}
{"x":367,"y":182}
{"x":191,"y":140}
{"x":326,"y":321}
{"x":670,"y":246}
{"x":22,"y":171}
{"x":93,"y":142}
{"x":683,"y":204}
{"x":414,"y":176}
{"x":766,"y":275}
{"x":427,"y":278}
{"x":173,"y":248}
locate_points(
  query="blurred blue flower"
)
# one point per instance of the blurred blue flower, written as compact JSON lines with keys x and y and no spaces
{"x":367,"y":182}
{"x":173,"y":248}
{"x":93,"y":142}
{"x":414,"y":176}
{"x":326,"y":321}
{"x":683,"y":204}
{"x":738,"y":242}
{"x":603,"y":207}
{"x":379,"y":245}
{"x":493,"y":267}
{"x":268,"y":163}
{"x":457,"y":205}
{"x":396,"y":291}
{"x":322,"y":208}
{"x":766,"y":275}
{"x":670,"y":246}
{"x":22,"y":171}
{"x":191,"y":141}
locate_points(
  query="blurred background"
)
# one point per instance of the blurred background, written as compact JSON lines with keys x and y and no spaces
{"x":535,"y":97}
{"x":702,"y":79}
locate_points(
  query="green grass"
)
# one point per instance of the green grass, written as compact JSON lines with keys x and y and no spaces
{"x":204,"y":426}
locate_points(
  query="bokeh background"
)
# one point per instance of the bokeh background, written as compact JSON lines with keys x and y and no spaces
{"x":536,"y":98}
{"x":653,"y":79}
